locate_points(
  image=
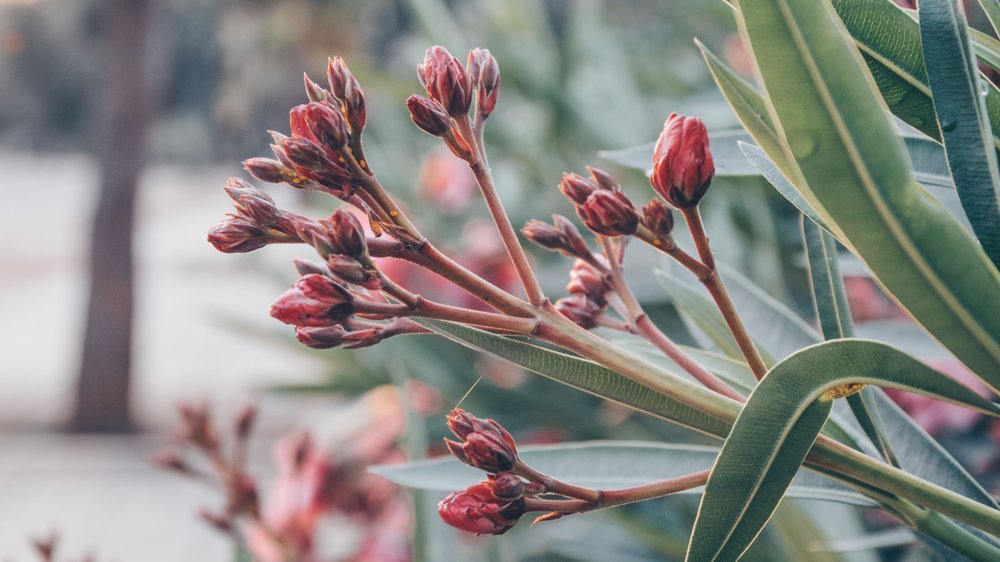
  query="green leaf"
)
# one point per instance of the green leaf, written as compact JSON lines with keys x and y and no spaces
{"x":992,"y":9}
{"x":580,"y":374}
{"x":778,"y":425}
{"x":829,"y":298}
{"x":773,"y":175}
{"x":987,"y":48}
{"x":604,"y":465}
{"x":961,"y":112}
{"x":703,"y":313}
{"x":889,"y":40}
{"x":837,"y":131}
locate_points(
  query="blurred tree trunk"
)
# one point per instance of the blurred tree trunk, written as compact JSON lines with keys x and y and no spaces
{"x":105,"y":367}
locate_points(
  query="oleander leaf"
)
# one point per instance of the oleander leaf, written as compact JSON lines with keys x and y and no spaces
{"x":957,"y":92}
{"x":835,"y":129}
{"x":605,"y":465}
{"x":779,"y":424}
{"x":580,"y":374}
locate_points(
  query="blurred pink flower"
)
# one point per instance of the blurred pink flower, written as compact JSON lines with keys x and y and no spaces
{"x":936,"y":416}
{"x":446,"y":181}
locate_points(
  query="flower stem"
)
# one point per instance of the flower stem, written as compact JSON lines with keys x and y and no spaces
{"x":480,"y":168}
{"x":614,"y":498}
{"x":721,"y":296}
{"x":643,"y":326}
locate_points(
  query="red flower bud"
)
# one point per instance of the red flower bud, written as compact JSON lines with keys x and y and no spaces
{"x":298,"y":123}
{"x":314,"y":300}
{"x":327,"y":124}
{"x":562,"y":236}
{"x":603,"y":179}
{"x":682,"y":162}
{"x":506,"y":486}
{"x":351,"y":271}
{"x":485,"y":75}
{"x":446,"y":81}
{"x":364,"y":338}
{"x":347,"y":234}
{"x":609,"y":213}
{"x":489,"y":452}
{"x":485,"y":443}
{"x":581,"y":310}
{"x":271,"y":171}
{"x":320,"y":338}
{"x":314,"y":91}
{"x":305,"y":267}
{"x":656,"y":216}
{"x":429,"y":115}
{"x":576,"y":188}
{"x":306,"y":155}
{"x":585,"y":279}
{"x":346,"y":88}
{"x":477,"y":510}
{"x":238,"y":235}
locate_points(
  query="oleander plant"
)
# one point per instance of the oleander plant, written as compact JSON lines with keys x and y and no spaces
{"x":869,"y":118}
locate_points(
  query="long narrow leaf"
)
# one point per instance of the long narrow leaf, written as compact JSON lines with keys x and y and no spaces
{"x":992,"y":9}
{"x":754,"y":468}
{"x":836,"y":130}
{"x":581,"y":374}
{"x":957,"y":92}
{"x":604,"y":465}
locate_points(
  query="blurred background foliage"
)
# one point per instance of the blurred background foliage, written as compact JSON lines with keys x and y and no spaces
{"x":578,"y":77}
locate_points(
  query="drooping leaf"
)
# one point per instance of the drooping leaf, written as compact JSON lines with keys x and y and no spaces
{"x":779,"y":423}
{"x":845,"y":149}
{"x":958,"y":100}
{"x":605,"y":465}
{"x":581,"y":374}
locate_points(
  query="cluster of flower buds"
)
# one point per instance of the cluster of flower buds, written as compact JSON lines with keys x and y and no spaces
{"x":325,"y":134}
{"x":198,"y":430}
{"x":588,"y":290}
{"x":682,"y":163}
{"x":600,"y":203}
{"x":561,"y":236}
{"x":256,"y":223}
{"x":495,"y":505}
{"x":451,"y":91}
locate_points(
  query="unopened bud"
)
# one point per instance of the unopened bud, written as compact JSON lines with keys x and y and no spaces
{"x":237,"y":235}
{"x":327,"y":125}
{"x":244,"y":421}
{"x":576,"y":188}
{"x":429,"y":115}
{"x":320,"y":338}
{"x":305,"y":267}
{"x":477,"y":510}
{"x":238,"y":187}
{"x":682,"y":163}
{"x":485,"y":443}
{"x":350,"y":270}
{"x":314,"y":300}
{"x":170,"y":460}
{"x":580,"y":310}
{"x":314,"y":91}
{"x":603,"y":179}
{"x":265,"y":169}
{"x":609,"y":213}
{"x":561,"y":236}
{"x":446,"y":81}
{"x":585,"y":279}
{"x":364,"y":338}
{"x":658,"y":218}
{"x":506,"y":486}
{"x":347,"y":234}
{"x":219,"y":522}
{"x":485,"y":75}
{"x":348,"y":90}
{"x":305,"y":154}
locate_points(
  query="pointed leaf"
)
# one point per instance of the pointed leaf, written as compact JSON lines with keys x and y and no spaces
{"x":836,"y":130}
{"x":604,"y":465}
{"x":786,"y":410}
{"x":580,"y":374}
{"x":957,"y":92}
